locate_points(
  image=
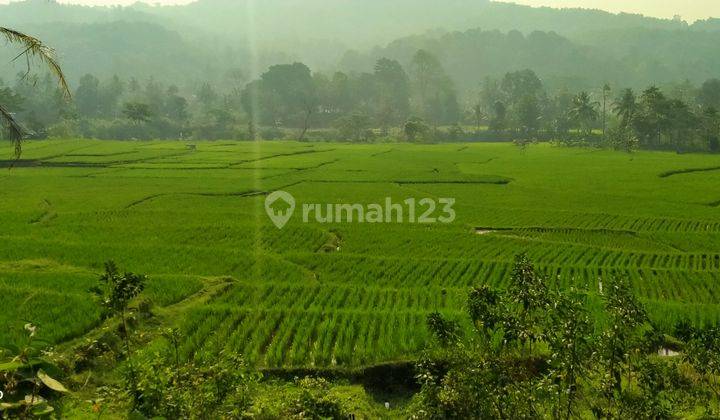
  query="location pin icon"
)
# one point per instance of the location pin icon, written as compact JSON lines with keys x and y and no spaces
{"x":280,"y":206}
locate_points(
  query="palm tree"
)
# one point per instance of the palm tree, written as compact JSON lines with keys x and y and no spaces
{"x":31,"y":48}
{"x":606,"y":90}
{"x":584,"y":112}
{"x":625,"y":107}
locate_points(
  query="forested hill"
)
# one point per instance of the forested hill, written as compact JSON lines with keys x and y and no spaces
{"x":211,"y":40}
{"x":356,"y":23}
{"x":630,"y":57}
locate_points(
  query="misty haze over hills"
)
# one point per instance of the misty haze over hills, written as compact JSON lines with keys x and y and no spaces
{"x":209,"y":39}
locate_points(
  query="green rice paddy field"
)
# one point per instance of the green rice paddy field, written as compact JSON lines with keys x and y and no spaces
{"x":325,"y":295}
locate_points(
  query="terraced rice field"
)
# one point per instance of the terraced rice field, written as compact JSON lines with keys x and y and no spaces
{"x":344,"y":294}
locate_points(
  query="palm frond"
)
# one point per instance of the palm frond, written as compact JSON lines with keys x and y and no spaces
{"x":16,"y":131}
{"x":31,"y":48}
{"x":34,"y":48}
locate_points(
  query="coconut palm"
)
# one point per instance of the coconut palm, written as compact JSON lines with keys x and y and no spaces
{"x":606,"y":91}
{"x":584,"y":112}
{"x":32,"y":48}
{"x":625,"y":107}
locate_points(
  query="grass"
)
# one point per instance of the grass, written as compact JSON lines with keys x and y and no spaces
{"x":182,"y":215}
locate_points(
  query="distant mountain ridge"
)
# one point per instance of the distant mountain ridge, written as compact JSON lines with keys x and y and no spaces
{"x":358,"y":23}
{"x":207,"y":39}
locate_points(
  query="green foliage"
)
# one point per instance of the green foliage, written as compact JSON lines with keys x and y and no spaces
{"x":621,"y":343}
{"x":571,"y":345}
{"x":435,"y":98}
{"x":655,"y":398}
{"x":580,"y":371}
{"x":24,"y":382}
{"x":527,"y":287}
{"x":701,"y":352}
{"x":474,"y":379}
{"x":416,"y":130}
{"x":117,"y":290}
{"x":315,"y":401}
{"x":355,"y":127}
{"x":447,"y":332}
{"x":137,"y":112}
{"x":392,"y":92}
{"x":527,"y":301}
{"x":289,"y":100}
{"x":623,"y":138}
{"x":222,"y":387}
{"x":464,"y":384}
{"x":483,"y":308}
{"x":499,"y":117}
{"x":584,"y":112}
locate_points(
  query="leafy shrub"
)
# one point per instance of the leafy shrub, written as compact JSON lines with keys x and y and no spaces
{"x":355,"y":127}
{"x":221,"y":388}
{"x":24,"y":379}
{"x":416,"y":129}
{"x":272,"y":133}
{"x":315,"y":401}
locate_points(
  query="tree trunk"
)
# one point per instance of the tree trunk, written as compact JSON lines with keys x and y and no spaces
{"x":133,"y":377}
{"x":306,"y":125}
{"x":604,"y":124}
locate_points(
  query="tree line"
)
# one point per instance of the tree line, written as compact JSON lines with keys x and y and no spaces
{"x":418,"y":103}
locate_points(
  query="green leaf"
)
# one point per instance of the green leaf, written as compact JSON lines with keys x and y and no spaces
{"x":31,"y":400}
{"x":11,"y":406}
{"x":10,"y":366}
{"x":51,"y":383}
{"x":9,"y":346}
{"x":42,"y":410}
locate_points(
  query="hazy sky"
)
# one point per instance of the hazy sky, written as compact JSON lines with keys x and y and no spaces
{"x":688,"y":9}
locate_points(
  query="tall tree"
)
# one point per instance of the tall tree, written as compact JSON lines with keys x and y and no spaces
{"x":137,"y":112}
{"x":342,"y":99}
{"x":606,"y":91}
{"x":498,"y":122}
{"x":435,"y":93}
{"x":709,"y":94}
{"x":584,"y":113}
{"x":652,"y":116}
{"x":43,"y":102}
{"x":287,"y":92}
{"x":110,"y":94}
{"x":625,"y":107}
{"x":426,"y":70}
{"x":207,"y":96}
{"x":154,"y":96}
{"x":490,"y":94}
{"x":478,"y":115}
{"x":558,"y":113}
{"x":87,"y":96}
{"x":392,"y":91}
{"x":528,"y":114}
{"x":711,"y":127}
{"x":175,"y":105}
{"x":680,"y":123}
{"x":517,"y":85}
